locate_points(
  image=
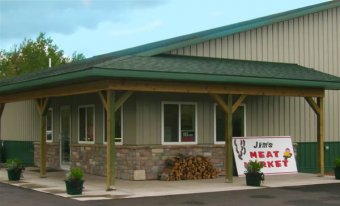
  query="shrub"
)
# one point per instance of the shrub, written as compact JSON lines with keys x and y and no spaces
{"x":337,"y":162}
{"x":14,"y":164}
{"x":253,"y":166}
{"x":75,"y":174}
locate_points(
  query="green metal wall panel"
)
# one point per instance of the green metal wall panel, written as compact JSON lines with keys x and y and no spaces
{"x":23,"y":150}
{"x":332,"y":151}
{"x":307,"y":156}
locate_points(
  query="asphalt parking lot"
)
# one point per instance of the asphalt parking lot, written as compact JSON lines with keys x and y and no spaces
{"x":322,"y":194}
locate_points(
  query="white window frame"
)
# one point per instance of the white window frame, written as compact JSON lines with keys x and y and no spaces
{"x":179,"y":122}
{"x":49,"y":131}
{"x":244,"y":123}
{"x":121,"y":128}
{"x":94,"y":124}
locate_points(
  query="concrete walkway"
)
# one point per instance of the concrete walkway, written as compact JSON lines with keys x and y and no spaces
{"x":95,"y":185}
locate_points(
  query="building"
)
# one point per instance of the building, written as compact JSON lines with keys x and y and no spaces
{"x":168,"y":97}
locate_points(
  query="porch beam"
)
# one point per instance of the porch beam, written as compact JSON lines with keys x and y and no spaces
{"x":218,"y":99}
{"x":320,"y":137}
{"x":103,"y":98}
{"x":238,"y":102}
{"x":313,"y":105}
{"x":181,"y":87}
{"x":161,"y":86}
{"x":67,"y":90}
{"x":110,"y":147}
{"x":122,"y":99}
{"x":42,"y":105}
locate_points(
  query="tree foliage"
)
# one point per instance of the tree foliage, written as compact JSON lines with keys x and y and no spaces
{"x":32,"y":55}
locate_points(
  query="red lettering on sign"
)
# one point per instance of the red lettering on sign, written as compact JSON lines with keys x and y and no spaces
{"x":263,"y":163}
{"x":270,"y":164}
{"x":269,"y":154}
{"x":276,"y":153}
{"x":285,"y":163}
{"x":278,"y":163}
{"x":261,"y":155}
{"x":253,"y":155}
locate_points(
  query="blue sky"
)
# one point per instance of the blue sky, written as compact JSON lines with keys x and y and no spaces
{"x":94,"y":27}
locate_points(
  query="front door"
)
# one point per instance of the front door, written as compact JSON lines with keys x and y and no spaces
{"x":65,"y":137}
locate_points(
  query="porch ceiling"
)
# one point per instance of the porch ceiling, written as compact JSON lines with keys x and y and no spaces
{"x":169,"y":73}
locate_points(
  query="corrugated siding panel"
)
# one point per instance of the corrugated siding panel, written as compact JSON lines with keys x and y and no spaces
{"x":20,"y":121}
{"x":311,"y":41}
{"x":74,"y":102}
{"x":129,"y":121}
{"x":148,"y":116}
{"x":22,"y":150}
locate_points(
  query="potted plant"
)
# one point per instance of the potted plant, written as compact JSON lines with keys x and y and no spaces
{"x":14,"y":169}
{"x":253,"y":173}
{"x":337,"y":168}
{"x":74,"y":181}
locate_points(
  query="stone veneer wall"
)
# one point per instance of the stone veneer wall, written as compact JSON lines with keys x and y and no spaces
{"x":53,"y":155}
{"x":92,"y":158}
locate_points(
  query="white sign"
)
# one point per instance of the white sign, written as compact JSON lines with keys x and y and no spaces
{"x":276,"y":154}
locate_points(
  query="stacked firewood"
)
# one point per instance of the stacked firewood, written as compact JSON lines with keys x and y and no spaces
{"x":188,"y":168}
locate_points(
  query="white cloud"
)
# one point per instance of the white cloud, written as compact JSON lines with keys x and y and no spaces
{"x":20,"y":19}
{"x":87,"y":3}
{"x":136,"y":30}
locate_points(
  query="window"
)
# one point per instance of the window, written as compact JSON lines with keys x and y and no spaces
{"x":86,"y":124}
{"x":179,"y":123}
{"x":219,"y":123}
{"x":49,"y":125}
{"x":118,"y":127}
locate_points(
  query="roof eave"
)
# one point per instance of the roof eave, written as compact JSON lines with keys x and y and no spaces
{"x":65,"y":78}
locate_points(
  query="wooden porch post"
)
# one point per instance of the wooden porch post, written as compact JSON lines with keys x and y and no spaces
{"x":42,"y":109}
{"x":228,"y":141}
{"x":111,"y":105}
{"x":110,"y":147}
{"x":320,"y":133}
{"x":318,"y":108}
{"x":228,"y":108}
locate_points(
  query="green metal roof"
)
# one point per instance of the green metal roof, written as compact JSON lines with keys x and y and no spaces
{"x":219,"y":70}
{"x":179,"y":68}
{"x":141,"y":63}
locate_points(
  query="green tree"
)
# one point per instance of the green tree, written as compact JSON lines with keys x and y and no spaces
{"x":32,"y":55}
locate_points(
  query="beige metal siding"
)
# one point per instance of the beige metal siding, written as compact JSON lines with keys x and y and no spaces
{"x":20,"y":121}
{"x":149,"y":121}
{"x":312,"y":41}
{"x":74,"y":102}
{"x":129,"y":121}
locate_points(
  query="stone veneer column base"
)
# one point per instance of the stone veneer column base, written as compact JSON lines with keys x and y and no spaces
{"x":53,"y":155}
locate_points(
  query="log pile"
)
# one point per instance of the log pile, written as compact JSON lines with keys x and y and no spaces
{"x":188,"y":168}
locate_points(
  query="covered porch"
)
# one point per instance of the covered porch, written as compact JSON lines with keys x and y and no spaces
{"x":217,"y":78}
